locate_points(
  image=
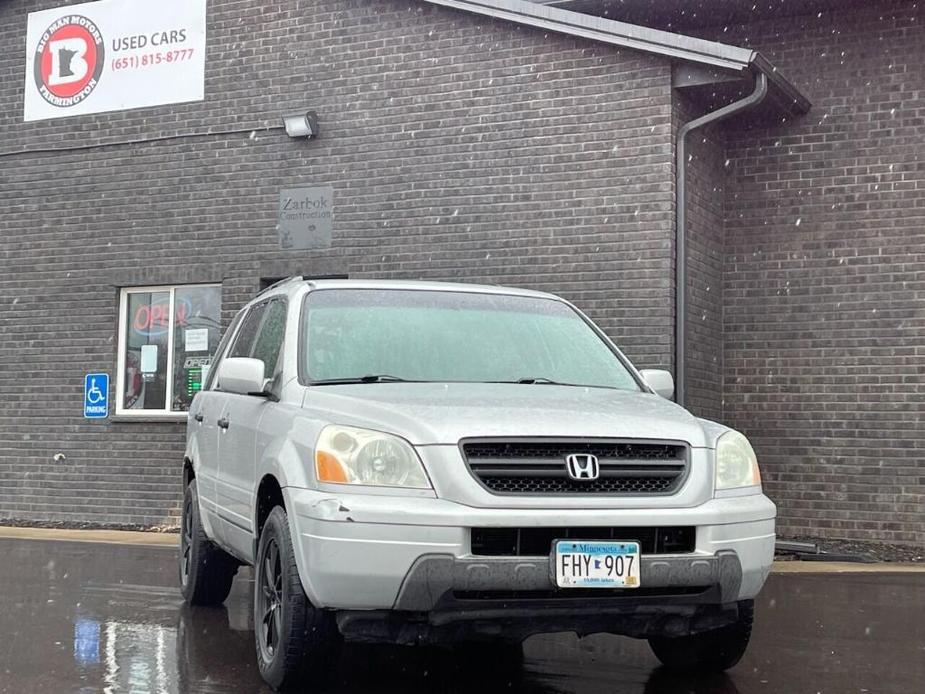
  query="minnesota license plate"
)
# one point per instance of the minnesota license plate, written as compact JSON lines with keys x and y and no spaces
{"x":591,"y":564}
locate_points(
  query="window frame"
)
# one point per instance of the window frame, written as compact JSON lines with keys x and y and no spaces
{"x":121,"y":324}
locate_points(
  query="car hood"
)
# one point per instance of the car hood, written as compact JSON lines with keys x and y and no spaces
{"x":438,"y":413}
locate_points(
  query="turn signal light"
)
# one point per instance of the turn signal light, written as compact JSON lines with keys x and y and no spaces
{"x":329,"y":468}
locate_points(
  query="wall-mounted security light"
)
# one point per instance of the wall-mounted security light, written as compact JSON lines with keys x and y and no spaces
{"x":302,"y":124}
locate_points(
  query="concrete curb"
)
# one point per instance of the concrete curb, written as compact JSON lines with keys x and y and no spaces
{"x":839,"y":567}
{"x":172,"y":540}
{"x":113,"y":537}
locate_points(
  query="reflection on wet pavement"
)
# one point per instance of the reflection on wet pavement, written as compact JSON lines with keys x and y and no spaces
{"x":107,"y":618}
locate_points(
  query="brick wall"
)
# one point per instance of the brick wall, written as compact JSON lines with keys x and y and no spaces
{"x":825,"y":276}
{"x":466,"y":149}
{"x":458,"y":148}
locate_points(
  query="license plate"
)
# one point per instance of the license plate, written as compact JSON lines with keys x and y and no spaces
{"x":591,"y":564}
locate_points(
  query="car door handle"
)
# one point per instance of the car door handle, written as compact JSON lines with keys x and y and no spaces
{"x":223,"y":423}
{"x":198,"y":416}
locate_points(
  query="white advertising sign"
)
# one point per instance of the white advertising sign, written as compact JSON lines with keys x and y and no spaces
{"x":197,"y":340}
{"x":113,"y":55}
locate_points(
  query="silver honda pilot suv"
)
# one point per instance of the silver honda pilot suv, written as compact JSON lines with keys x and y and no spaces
{"x":426,"y":463}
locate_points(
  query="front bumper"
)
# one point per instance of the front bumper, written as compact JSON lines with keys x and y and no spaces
{"x":364,"y":552}
{"x":434,"y":577}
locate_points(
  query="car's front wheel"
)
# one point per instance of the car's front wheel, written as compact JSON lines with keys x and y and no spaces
{"x":206,"y":571}
{"x":710,"y":651}
{"x":295,"y":641}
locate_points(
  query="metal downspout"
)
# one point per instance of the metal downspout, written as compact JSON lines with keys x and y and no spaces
{"x":680,"y":253}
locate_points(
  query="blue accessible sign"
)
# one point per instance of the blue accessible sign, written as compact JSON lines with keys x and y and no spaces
{"x":96,"y":396}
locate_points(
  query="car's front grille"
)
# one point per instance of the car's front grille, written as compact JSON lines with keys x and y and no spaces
{"x":537,"y":542}
{"x":539,"y":467}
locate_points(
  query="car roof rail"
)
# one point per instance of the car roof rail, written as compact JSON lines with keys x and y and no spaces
{"x":280,"y":283}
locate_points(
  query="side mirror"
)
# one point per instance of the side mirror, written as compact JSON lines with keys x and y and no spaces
{"x":241,"y":375}
{"x":662,"y":382}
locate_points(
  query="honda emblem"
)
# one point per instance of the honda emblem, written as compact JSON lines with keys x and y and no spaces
{"x":582,"y":466}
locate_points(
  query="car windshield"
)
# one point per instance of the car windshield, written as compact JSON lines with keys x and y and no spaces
{"x":374,"y":335}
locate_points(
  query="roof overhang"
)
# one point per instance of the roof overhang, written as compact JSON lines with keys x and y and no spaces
{"x":725,"y":60}
{"x":682,"y":15}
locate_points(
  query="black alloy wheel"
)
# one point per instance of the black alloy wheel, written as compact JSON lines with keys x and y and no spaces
{"x":186,"y":540}
{"x":206,"y":571}
{"x":269,"y":602}
{"x":297,"y":643}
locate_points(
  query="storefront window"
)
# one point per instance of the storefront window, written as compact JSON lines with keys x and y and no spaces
{"x":167,"y":340}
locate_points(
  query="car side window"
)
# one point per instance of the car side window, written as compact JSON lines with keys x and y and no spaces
{"x":244,"y":342}
{"x":220,"y":351}
{"x":269,"y":341}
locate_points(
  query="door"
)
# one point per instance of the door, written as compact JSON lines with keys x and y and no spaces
{"x":238,"y":425}
{"x":205,"y":410}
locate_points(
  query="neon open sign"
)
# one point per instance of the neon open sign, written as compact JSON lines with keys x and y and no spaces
{"x":154,"y":318}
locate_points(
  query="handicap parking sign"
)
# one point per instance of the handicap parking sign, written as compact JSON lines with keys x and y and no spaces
{"x":96,"y":396}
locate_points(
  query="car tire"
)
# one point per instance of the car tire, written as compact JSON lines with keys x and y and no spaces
{"x":710,"y":651}
{"x":206,"y":571}
{"x":296,"y":642}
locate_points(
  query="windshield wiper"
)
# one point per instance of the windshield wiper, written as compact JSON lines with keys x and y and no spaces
{"x":369,"y":378}
{"x":539,"y":381}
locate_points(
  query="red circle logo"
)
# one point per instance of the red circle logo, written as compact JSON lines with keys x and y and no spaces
{"x":69,"y":60}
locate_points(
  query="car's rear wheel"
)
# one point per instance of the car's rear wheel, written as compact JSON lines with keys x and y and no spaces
{"x":296,"y":643}
{"x":206,"y":571}
{"x":710,"y":651}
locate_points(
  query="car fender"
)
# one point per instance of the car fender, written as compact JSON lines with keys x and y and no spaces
{"x":286,"y":450}
{"x":297,"y":541}
{"x":280,"y":458}
{"x":285,"y":447}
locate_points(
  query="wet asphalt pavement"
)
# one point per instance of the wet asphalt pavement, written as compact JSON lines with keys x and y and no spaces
{"x":80,"y":617}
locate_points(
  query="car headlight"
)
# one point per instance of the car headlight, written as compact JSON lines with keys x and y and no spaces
{"x":347,"y":455}
{"x":736,"y":463}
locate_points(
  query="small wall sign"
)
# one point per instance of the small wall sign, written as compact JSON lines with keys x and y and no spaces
{"x":96,"y":396}
{"x":305,"y":216}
